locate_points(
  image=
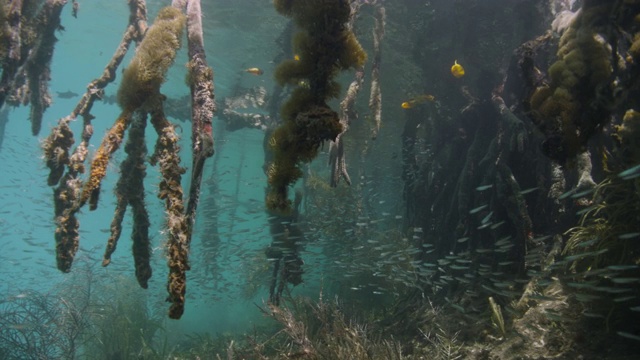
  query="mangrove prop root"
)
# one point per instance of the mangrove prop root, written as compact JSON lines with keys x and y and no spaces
{"x":513,"y":201}
{"x":67,"y":234}
{"x":130,"y":191}
{"x":324,"y":49}
{"x":145,"y":73}
{"x":579,"y":98}
{"x":337,"y":161}
{"x":13,"y":51}
{"x":486,"y":162}
{"x":56,"y":151}
{"x":375,"y":99}
{"x":170,"y":190}
{"x":14,"y":45}
{"x":203,"y":105}
{"x":109,"y":145}
{"x":57,"y":145}
{"x":140,"y":81}
{"x":139,"y":95}
{"x":336,"y":148}
{"x":116,"y":225}
{"x":615,"y":205}
{"x":469,"y":172}
{"x":27,"y":57}
{"x":584,"y":168}
{"x":25,"y":76}
{"x":95,"y":90}
{"x":134,"y":188}
{"x":38,"y":63}
{"x":180,"y":221}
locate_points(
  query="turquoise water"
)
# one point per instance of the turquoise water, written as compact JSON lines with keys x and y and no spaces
{"x":456,"y":206}
{"x":27,"y":227}
{"x":235,"y":40}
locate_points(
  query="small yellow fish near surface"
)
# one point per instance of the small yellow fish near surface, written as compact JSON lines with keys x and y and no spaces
{"x":296,"y":57}
{"x":254,"y":71}
{"x":457,"y":70}
{"x":417,"y":100}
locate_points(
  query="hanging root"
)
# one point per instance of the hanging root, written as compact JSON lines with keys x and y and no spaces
{"x":202,"y":103}
{"x":109,"y":145}
{"x":375,"y":100}
{"x":130,"y":191}
{"x":167,"y":157}
{"x":336,"y":148}
{"x":57,"y":147}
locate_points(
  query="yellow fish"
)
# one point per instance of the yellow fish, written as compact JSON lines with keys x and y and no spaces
{"x":255,"y":71}
{"x":296,"y":57}
{"x":417,"y":100}
{"x":457,"y":70}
